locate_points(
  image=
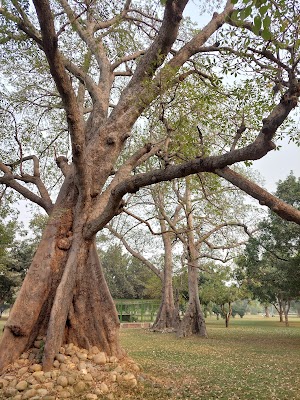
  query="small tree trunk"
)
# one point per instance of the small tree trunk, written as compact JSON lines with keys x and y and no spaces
{"x":226,"y":320}
{"x":287,"y":306}
{"x":168,"y":314}
{"x":228,"y":315}
{"x":280,"y":308}
{"x":267,"y":312}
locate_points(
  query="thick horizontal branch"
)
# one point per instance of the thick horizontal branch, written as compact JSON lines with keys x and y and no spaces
{"x":209,"y":164}
{"x":284,"y":210}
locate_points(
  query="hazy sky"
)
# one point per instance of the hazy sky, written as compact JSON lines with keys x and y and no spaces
{"x":277,"y":165}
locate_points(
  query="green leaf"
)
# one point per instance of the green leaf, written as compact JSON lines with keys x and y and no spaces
{"x":266,"y":34}
{"x":248,"y":11}
{"x":257,"y":22}
{"x":234,"y":16}
{"x":263,"y":10}
{"x":267,"y":22}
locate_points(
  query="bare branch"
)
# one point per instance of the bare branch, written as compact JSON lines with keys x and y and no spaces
{"x":106,"y":24}
{"x":9,"y":180}
{"x":143,"y":221}
{"x":127,"y":58}
{"x":238,"y":134}
{"x":135,"y":253}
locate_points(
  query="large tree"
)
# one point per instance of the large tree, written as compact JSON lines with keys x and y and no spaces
{"x":110,"y":61}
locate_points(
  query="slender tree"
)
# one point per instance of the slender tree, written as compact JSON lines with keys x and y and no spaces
{"x":110,"y":62}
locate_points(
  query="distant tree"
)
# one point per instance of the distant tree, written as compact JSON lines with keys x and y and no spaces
{"x":216,"y":289}
{"x":271,"y":263}
{"x":115,"y":264}
{"x":127,"y":277}
{"x":9,"y":278}
{"x":239,"y":307}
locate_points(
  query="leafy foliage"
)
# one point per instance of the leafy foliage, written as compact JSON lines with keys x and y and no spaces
{"x":270,"y":264}
{"x":127,"y":278}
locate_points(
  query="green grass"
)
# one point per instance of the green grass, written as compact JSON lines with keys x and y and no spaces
{"x":252,"y":359}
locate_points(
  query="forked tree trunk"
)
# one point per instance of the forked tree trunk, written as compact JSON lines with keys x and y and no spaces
{"x":227,"y":314}
{"x":168,"y":314}
{"x":193,"y":322}
{"x":64,"y":295}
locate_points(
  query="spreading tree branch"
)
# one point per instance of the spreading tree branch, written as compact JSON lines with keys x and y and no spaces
{"x":284,"y":210}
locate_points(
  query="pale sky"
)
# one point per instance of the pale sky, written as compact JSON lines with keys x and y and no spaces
{"x":277,"y":165}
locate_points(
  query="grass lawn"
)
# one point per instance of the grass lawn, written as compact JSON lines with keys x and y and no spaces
{"x":252,"y":359}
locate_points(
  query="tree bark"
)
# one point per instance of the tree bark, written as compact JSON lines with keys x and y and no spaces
{"x":193,"y":322}
{"x":168,"y":314}
{"x":64,"y":295}
{"x":287,"y":305}
{"x":226,"y":314}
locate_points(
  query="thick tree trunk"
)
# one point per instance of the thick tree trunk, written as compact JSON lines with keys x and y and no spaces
{"x":64,"y":295}
{"x":168,"y":314}
{"x":193,"y":322}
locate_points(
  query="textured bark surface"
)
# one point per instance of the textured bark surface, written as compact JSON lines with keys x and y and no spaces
{"x":64,"y":295}
{"x":91,"y":314}
{"x":168,"y":314}
{"x":30,"y":314}
{"x":193,"y":322}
